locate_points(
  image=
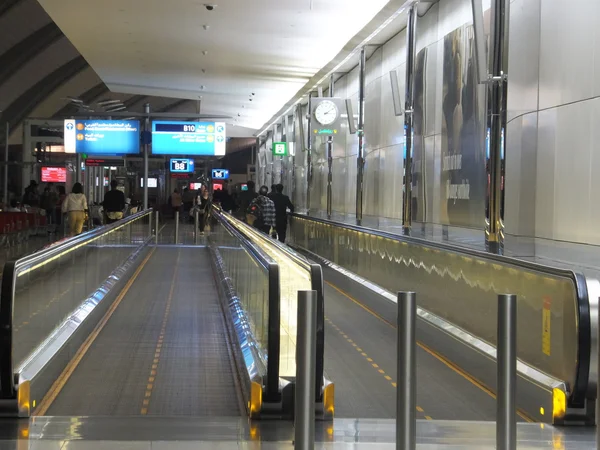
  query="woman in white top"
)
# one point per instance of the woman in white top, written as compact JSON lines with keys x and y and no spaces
{"x":75,"y":205}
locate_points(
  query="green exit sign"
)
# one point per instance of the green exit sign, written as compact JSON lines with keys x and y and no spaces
{"x":280,"y":148}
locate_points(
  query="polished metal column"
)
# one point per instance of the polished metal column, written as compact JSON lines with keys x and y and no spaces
{"x":360,"y":159}
{"x":406,"y":391}
{"x":146,"y":152}
{"x":411,"y":38}
{"x":6,"y":166}
{"x":196,"y":225}
{"x":330,"y":158}
{"x":156,"y":230}
{"x":306,"y":367}
{"x":506,"y":417}
{"x":496,"y":125}
{"x":176,"y":227}
{"x":309,"y":141}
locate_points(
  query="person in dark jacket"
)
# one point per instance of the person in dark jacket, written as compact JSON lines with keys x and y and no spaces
{"x":262,"y":209}
{"x":114,"y":203}
{"x":282,"y":204}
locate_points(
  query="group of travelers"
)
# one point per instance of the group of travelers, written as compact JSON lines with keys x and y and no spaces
{"x":266,"y":211}
{"x":55,"y":204}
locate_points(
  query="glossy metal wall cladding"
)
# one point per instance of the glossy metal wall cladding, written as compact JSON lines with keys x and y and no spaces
{"x":419,"y":172}
{"x":463,"y":182}
{"x":461,"y":289}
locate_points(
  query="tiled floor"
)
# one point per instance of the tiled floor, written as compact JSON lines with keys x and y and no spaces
{"x":144,"y":433}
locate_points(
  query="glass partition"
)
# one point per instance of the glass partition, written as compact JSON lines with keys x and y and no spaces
{"x":47,"y":287}
{"x":295,"y":275}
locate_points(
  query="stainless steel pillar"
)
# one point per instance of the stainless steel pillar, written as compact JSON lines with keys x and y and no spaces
{"x":330,"y":159}
{"x":176,"y":227}
{"x":6,"y":166}
{"x":309,"y":167}
{"x":196,"y":225}
{"x":411,"y":38}
{"x":360,"y":159}
{"x":306,"y":367}
{"x":496,"y":125}
{"x":78,"y":170}
{"x":406,"y":392}
{"x":506,"y":418}
{"x":146,"y":152}
{"x":156,"y":229}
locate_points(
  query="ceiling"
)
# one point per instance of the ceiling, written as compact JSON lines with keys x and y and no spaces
{"x":254,"y":56}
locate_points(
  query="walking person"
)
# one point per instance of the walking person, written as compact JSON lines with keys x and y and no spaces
{"x":114,"y":203}
{"x":203,"y":209}
{"x":262,"y":210}
{"x":176,"y":202}
{"x":76,"y":207}
{"x":282,"y":204}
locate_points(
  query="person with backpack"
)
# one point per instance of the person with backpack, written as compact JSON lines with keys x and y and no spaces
{"x":114,"y":203}
{"x":262,"y":209}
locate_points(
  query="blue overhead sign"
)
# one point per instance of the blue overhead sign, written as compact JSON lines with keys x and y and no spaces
{"x":220,"y":174}
{"x":182,"y":165}
{"x":188,"y":138}
{"x":102,"y":137}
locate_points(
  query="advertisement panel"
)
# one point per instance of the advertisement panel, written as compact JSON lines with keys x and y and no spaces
{"x":102,"y":137}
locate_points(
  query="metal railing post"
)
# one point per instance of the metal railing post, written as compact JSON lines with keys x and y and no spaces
{"x":156,"y":219}
{"x":306,"y":364}
{"x":406,"y":392}
{"x":150,"y":224}
{"x":176,"y":227}
{"x":506,"y":418}
{"x":196,"y":226}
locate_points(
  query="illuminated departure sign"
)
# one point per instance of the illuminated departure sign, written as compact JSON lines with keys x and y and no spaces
{"x":182,"y":165}
{"x":188,"y":138}
{"x":220,"y":174}
{"x":102,"y":137}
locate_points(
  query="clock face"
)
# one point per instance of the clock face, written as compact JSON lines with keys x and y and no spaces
{"x":326,"y":112}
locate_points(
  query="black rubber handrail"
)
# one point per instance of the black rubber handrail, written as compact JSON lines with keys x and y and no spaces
{"x":274,"y":319}
{"x":584,"y":347}
{"x":7,"y":294}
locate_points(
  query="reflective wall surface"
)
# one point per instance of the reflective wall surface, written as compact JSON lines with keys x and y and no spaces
{"x":552,"y":143}
{"x":461,"y":289}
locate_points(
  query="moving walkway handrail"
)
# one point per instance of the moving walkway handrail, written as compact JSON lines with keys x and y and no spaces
{"x":316,"y":277}
{"x":579,"y":281}
{"x":7,"y":292}
{"x":274,"y":338}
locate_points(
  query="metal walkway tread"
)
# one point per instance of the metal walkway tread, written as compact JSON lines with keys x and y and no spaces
{"x":163,"y":352}
{"x":360,"y":357}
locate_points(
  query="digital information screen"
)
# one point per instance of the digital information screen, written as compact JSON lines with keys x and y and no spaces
{"x":54,"y":175}
{"x":102,"y":137}
{"x":188,"y":138}
{"x":220,"y":174}
{"x":103,"y":162}
{"x":182,"y":165}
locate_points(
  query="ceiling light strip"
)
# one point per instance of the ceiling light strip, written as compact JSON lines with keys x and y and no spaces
{"x":364,"y":42}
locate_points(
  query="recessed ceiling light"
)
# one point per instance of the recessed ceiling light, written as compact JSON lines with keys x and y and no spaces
{"x":203,"y":70}
{"x":205,"y":52}
{"x":202,"y":87}
{"x":206,"y":27}
{"x":253,"y":93}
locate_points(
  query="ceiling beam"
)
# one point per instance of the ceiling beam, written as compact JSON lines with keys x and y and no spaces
{"x":134,"y":100}
{"x":27,"y":49}
{"x":6,"y":5}
{"x":19,"y":109}
{"x":173,"y":105}
{"x":87,"y":98}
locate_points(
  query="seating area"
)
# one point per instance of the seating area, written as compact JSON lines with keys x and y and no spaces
{"x":17,"y":227}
